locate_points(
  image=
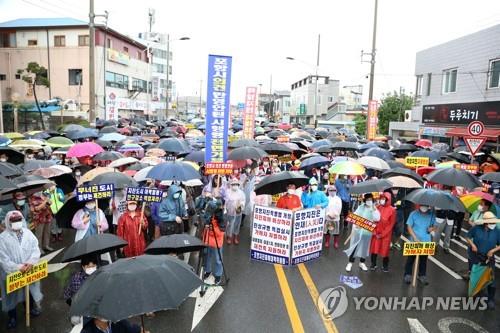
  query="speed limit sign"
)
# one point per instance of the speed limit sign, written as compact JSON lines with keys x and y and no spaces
{"x":475,"y":128}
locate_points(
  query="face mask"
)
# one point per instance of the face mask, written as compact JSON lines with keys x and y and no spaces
{"x":19,"y":225}
{"x":496,"y":191}
{"x":266,"y":164}
{"x":291,"y":191}
{"x":3,"y":160}
{"x":132,"y":208}
{"x":424,"y":209}
{"x":21,"y":202}
{"x":248,"y":170}
{"x":382,"y":202}
{"x":78,"y":174}
{"x":90,"y":205}
{"x":492,"y":226}
{"x":480,"y":208}
{"x":369,"y":203}
{"x":176,"y":195}
{"x":314,"y":188}
{"x":332,"y":193}
{"x":275,"y":165}
{"x":394,"y":192}
{"x":90,"y":270}
{"x":234,"y":188}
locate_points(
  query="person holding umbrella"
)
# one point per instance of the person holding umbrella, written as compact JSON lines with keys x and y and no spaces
{"x":343,"y":186}
{"x":484,"y":242}
{"x":333,"y":211}
{"x":19,"y":251}
{"x":89,"y":221}
{"x":420,"y":225}
{"x":130,"y":226}
{"x":171,"y":212}
{"x":234,"y":206}
{"x":381,"y":239}
{"x":290,"y":200}
{"x":41,"y":218}
{"x":360,"y":238}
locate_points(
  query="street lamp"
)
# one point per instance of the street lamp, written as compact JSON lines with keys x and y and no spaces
{"x":168,"y":70}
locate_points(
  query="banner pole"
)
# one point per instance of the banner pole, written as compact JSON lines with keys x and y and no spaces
{"x":97,"y":217}
{"x":27,"y":300}
{"x":142,"y":216}
{"x":415,"y":268}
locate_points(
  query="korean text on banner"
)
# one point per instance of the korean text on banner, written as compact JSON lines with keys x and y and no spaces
{"x":419,"y":249}
{"x":144,"y":194}
{"x":18,"y":280}
{"x":416,"y":162}
{"x":271,"y":235}
{"x":472,"y":168}
{"x":217,"y":115}
{"x":249,"y":113}
{"x":360,"y":222}
{"x":93,"y":192}
{"x":307,"y":235}
{"x":219,"y":169}
{"x":372,"y":121}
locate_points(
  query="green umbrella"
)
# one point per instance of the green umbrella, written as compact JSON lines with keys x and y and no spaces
{"x":480,"y":277}
{"x":59,"y":142}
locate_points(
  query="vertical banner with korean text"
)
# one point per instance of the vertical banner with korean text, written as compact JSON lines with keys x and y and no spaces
{"x":218,"y":108}
{"x":271,"y":235}
{"x":307,"y":238}
{"x":249,"y":113}
{"x":372,"y":120}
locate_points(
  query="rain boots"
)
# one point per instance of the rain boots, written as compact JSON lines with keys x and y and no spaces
{"x":327,"y":240}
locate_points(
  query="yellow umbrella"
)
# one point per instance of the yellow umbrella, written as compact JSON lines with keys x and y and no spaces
{"x":94,"y":173}
{"x":194,"y":165}
{"x":27,"y":144}
{"x":14,"y":135}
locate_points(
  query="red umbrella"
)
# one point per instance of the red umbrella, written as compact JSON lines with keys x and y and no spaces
{"x":425,"y":170}
{"x":284,"y":126}
{"x":130,"y":173}
{"x":423,"y":143}
{"x":125,"y":131}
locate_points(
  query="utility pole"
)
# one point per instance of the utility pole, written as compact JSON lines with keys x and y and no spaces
{"x":92,"y":104}
{"x":372,"y":62}
{"x":105,"y":57}
{"x":315,"y":120}
{"x":1,"y":111}
{"x":271,"y":100}
{"x":151,"y":16}
{"x":168,"y":77}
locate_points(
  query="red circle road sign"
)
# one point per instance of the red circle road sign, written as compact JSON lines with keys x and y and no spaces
{"x":475,"y":128}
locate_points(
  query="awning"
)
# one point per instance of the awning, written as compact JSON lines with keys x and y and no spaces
{"x":490,"y":133}
{"x":31,"y":108}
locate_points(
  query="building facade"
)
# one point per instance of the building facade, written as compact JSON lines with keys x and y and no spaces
{"x":303,"y":97}
{"x":62,"y":46}
{"x":456,"y":83}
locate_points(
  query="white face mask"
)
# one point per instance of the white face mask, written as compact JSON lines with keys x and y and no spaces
{"x":369,"y":203}
{"x":291,"y":191}
{"x":90,"y":205}
{"x":234,"y":188}
{"x":314,"y":188}
{"x":3,"y":160}
{"x":16,"y":225}
{"x":382,"y":202}
{"x":132,"y":208}
{"x":176,"y":195}
{"x":424,"y":209}
{"x":78,"y":174}
{"x":90,"y":270}
{"x":332,"y":193}
{"x":496,"y":191}
{"x":492,"y":226}
{"x":480,"y":208}
{"x":21,"y":202}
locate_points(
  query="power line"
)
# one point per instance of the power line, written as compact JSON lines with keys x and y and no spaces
{"x":63,"y":8}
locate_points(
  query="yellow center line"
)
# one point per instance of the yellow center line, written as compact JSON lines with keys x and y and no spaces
{"x":291,"y":308}
{"x":320,"y":306}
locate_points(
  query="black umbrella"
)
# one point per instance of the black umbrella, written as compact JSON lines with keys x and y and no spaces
{"x":108,"y":129}
{"x":433,"y":155}
{"x":401,"y":171}
{"x":64,"y":216}
{"x":302,"y":143}
{"x":177,"y":243}
{"x":345,"y":145}
{"x":380,"y":153}
{"x":7,"y":185}
{"x":244,"y":143}
{"x":135,"y":286}
{"x":30,"y":183}
{"x":118,"y":179}
{"x":137,"y":166}
{"x":493,"y":177}
{"x":93,"y":246}
{"x":458,"y":157}
{"x":107,"y":156}
{"x":454,"y":177}
{"x":277,"y":183}
{"x":37,"y":164}
{"x":245,"y":153}
{"x":13,"y":156}
{"x":176,"y":170}
{"x":275,"y":134}
{"x":72,"y":128}
{"x":196,"y":156}
{"x":83,"y":134}
{"x":405,"y":147}
{"x":435,"y":198}
{"x":10,"y":170}
{"x":174,"y":145}
{"x":314,"y":162}
{"x":323,"y":149}
{"x":395,"y":164}
{"x":276,"y":149}
{"x":104,"y":144}
{"x":372,"y":185}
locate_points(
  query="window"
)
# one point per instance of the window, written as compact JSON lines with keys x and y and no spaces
{"x":3,"y":77}
{"x":449,"y":81}
{"x":60,"y":40}
{"x":139,"y":55}
{"x":75,"y":77}
{"x":116,"y":80}
{"x":157,"y":53}
{"x":125,"y":49}
{"x":330,"y":99}
{"x":83,"y":40}
{"x":319,"y":99}
{"x":18,"y":76}
{"x":32,"y":42}
{"x":494,"y":74}
{"x":158,"y":68}
{"x":8,"y":39}
{"x":138,"y":84}
{"x":108,"y":43}
{"x":418,"y":89}
{"x":429,"y":80}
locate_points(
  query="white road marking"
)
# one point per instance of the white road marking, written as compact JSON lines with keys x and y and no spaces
{"x":445,"y":323}
{"x":77,"y":328}
{"x":416,"y":326}
{"x":441,"y":243}
{"x":203,"y":304}
{"x":51,"y":255}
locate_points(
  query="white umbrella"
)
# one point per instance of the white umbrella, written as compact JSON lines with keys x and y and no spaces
{"x":372,"y":162}
{"x":63,"y":168}
{"x":140,"y":176}
{"x":189,"y":183}
{"x":404,"y":182}
{"x":123,"y":161}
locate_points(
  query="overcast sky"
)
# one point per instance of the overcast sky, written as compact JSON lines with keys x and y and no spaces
{"x":260,"y":34}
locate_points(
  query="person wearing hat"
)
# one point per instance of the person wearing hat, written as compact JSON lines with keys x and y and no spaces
{"x":296,"y":165}
{"x":131,"y":227}
{"x":290,"y":200}
{"x":359,"y":246}
{"x":18,"y":252}
{"x":234,"y":206}
{"x":483,"y":207}
{"x":484,"y":242}
{"x":314,"y":198}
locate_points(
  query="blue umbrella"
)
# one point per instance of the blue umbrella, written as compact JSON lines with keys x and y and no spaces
{"x":380,"y":153}
{"x":202,"y":127}
{"x":314,"y":162}
{"x":83,"y":134}
{"x":320,"y":143}
{"x":113,"y":137}
{"x":5,"y":141}
{"x":178,"y":171}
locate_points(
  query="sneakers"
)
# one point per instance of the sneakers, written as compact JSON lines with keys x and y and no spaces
{"x":35,"y":312}
{"x":423,"y":280}
{"x":407,"y":279}
{"x":218,"y":280}
{"x":446,"y":251}
{"x":373,"y":267}
{"x":229,"y":240}
{"x":363,"y":266}
{"x":206,"y":275}
{"x":385,"y":269}
{"x":348,"y":268}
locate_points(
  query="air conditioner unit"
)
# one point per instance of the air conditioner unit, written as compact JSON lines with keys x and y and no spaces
{"x":408,"y":116}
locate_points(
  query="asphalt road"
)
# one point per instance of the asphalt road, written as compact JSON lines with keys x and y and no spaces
{"x":261,"y":297}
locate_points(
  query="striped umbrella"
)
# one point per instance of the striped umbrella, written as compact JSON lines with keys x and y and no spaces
{"x":472,"y":200}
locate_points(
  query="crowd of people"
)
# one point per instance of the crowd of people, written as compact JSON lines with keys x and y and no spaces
{"x":220,"y":205}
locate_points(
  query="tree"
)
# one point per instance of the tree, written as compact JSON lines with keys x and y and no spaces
{"x":34,"y":75}
{"x":360,"y":124}
{"x":392,"y":109}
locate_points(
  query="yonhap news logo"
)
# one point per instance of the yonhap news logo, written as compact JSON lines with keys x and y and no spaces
{"x":333,"y":302}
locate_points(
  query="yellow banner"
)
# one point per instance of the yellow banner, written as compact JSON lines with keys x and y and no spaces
{"x":275,"y":198}
{"x":415,"y":162}
{"x":419,"y":249}
{"x":18,"y":280}
{"x":190,"y":126}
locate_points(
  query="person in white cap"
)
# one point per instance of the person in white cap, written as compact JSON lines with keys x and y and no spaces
{"x":234,"y":206}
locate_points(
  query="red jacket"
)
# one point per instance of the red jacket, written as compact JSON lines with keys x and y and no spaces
{"x":128,"y":229}
{"x":381,"y":239}
{"x":289,"y":202}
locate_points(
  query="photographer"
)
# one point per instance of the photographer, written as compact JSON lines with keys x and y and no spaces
{"x":213,"y":236}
